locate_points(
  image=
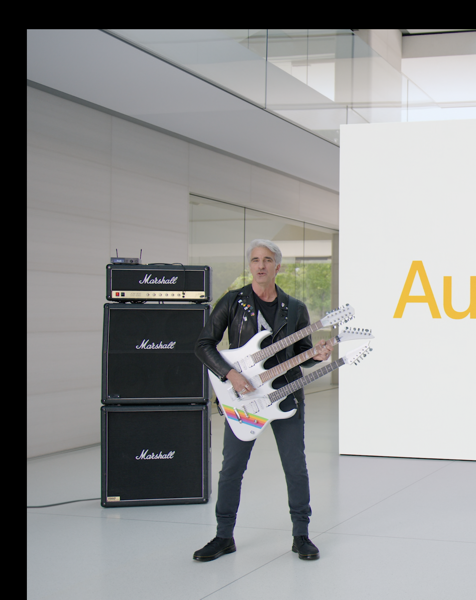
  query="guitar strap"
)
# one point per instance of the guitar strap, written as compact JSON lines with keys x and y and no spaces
{"x":235,"y":305}
{"x":291,"y":328}
{"x":292,"y":315}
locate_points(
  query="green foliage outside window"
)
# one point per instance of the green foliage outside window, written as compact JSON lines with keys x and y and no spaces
{"x":309,"y":282}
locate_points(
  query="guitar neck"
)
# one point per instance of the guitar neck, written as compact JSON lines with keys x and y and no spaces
{"x":292,"y":362}
{"x":300,"y":383}
{"x":285,"y":342}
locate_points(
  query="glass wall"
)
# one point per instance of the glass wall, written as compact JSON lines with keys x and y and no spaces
{"x":220,"y":233}
{"x":318,"y":79}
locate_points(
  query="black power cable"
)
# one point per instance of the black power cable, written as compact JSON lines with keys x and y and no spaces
{"x":60,"y":503}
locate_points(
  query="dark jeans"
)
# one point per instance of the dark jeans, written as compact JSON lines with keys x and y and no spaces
{"x":289,"y":435}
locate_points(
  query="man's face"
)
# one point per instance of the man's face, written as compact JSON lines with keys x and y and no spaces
{"x":263,"y":266}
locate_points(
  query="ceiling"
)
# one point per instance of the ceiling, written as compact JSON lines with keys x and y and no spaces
{"x":442,"y":62}
{"x":98,"y":69}
{"x":95,"y":68}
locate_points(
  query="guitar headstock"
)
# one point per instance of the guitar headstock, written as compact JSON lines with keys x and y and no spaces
{"x":338,"y":316}
{"x":355,"y":356}
{"x":354,"y":334}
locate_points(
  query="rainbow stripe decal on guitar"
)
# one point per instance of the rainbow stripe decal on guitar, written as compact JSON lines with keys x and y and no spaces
{"x":253,"y":420}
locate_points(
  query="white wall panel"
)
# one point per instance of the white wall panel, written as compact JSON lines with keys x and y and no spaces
{"x":96,"y":183}
{"x":62,"y":182}
{"x":62,"y":361}
{"x":65,"y":243}
{"x":148,"y":152}
{"x":218,"y":176}
{"x":322,"y":200}
{"x":59,"y":301}
{"x":408,"y":193}
{"x":62,"y":420}
{"x":274,"y":192}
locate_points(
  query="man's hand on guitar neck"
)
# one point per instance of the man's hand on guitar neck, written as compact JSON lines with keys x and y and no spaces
{"x":324,"y":350}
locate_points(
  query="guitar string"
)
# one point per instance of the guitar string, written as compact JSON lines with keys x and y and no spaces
{"x":281,"y":344}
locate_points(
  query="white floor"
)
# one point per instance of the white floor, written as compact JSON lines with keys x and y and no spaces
{"x":386,"y":528}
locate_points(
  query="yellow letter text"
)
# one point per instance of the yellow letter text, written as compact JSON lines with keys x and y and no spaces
{"x":428,"y":298}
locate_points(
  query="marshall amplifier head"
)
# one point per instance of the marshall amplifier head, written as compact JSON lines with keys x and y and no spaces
{"x":157,"y":282}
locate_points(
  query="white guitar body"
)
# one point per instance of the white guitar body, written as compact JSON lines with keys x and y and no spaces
{"x":232,"y":404}
{"x":248,"y":416}
{"x":239,"y":356}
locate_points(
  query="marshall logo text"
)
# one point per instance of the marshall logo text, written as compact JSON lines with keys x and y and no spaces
{"x":155,"y":281}
{"x":145,"y":345}
{"x":144,"y":456}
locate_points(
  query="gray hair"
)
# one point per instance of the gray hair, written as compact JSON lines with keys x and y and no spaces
{"x":278,"y":256}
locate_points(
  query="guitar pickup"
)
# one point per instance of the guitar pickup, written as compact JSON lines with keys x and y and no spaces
{"x":256,"y":381}
{"x":254,"y":407}
{"x":237,"y":367}
{"x":243,"y":364}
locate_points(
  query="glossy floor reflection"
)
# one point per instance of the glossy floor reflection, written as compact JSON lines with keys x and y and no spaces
{"x":386,"y":528}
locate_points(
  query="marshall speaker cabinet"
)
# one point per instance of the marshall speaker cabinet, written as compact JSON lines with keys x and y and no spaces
{"x":155,"y":455}
{"x":145,"y":283}
{"x":148,"y":354}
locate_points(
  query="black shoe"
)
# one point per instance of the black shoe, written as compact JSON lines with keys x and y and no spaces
{"x":305,"y":548}
{"x":217,"y":547}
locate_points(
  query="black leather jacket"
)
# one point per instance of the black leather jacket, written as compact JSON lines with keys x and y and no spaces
{"x":234,"y":311}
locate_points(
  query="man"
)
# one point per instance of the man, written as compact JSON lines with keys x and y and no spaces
{"x":245,"y":312}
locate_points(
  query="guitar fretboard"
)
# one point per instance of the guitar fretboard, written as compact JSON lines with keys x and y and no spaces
{"x":300,"y":383}
{"x":285,"y":342}
{"x":292,"y":362}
